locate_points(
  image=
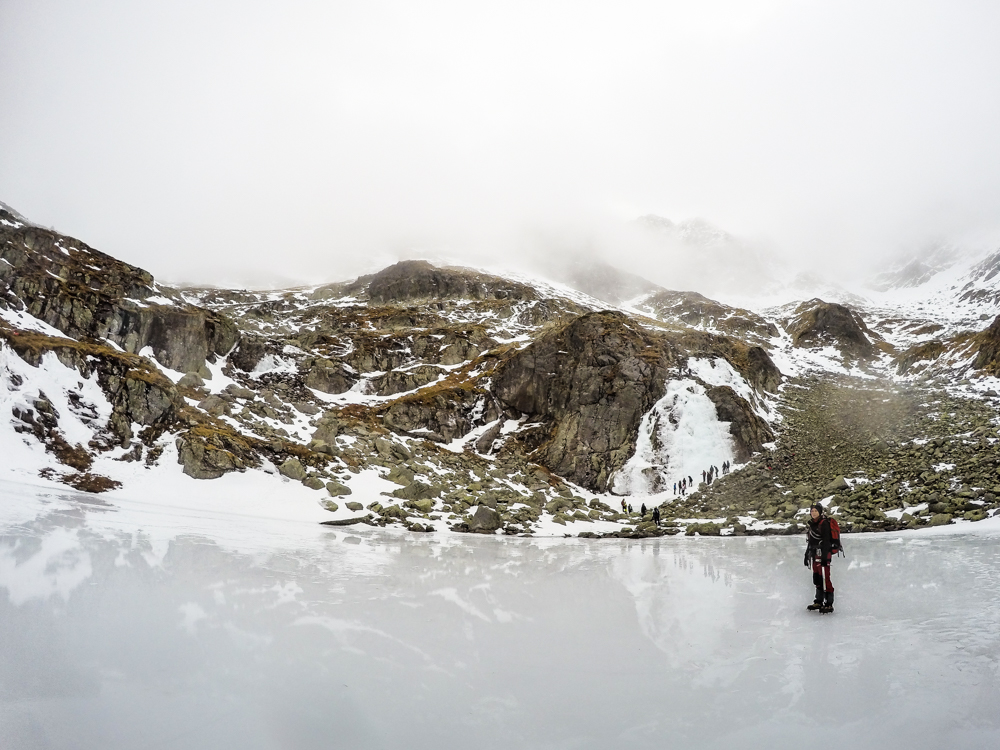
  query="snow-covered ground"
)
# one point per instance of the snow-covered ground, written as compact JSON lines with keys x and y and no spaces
{"x":139,"y":623}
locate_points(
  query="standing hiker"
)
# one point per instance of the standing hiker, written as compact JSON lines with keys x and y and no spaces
{"x":642,"y":510}
{"x":656,"y":515}
{"x":822,"y":541}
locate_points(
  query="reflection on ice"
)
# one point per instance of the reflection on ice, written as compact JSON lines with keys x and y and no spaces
{"x":127,"y":626}
{"x":38,"y":568}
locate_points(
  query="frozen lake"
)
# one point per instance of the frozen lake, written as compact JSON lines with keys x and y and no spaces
{"x":135,"y":625}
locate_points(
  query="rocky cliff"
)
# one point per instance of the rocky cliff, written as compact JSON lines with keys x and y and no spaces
{"x":86,"y":294}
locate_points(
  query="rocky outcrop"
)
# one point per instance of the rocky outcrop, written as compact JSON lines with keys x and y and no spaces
{"x":400,"y":381}
{"x":327,"y":375}
{"x":248,"y":353}
{"x":988,"y":353}
{"x":749,"y":431}
{"x":752,"y":362}
{"x":817,"y":323}
{"x":926,"y":351}
{"x":589,"y":382}
{"x":138,"y":393}
{"x":89,"y":295}
{"x":208,"y":452}
{"x":441,"y":414}
{"x":411,"y":280}
{"x":696,"y":310}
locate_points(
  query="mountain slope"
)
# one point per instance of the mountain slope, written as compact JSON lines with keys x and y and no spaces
{"x":434,"y":398}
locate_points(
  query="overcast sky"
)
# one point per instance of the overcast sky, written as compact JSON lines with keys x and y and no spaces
{"x":268,"y":141}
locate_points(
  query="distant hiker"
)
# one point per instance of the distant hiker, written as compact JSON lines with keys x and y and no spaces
{"x":624,"y":509}
{"x":675,"y":488}
{"x":642,"y":510}
{"x":822,"y":541}
{"x":690,"y":481}
{"x":630,"y":507}
{"x":703,"y":475}
{"x":656,"y":516}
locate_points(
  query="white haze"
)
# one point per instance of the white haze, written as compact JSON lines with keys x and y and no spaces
{"x":266,"y":143}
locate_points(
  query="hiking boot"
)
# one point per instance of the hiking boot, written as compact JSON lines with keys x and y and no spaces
{"x":817,"y":602}
{"x":827,"y":607}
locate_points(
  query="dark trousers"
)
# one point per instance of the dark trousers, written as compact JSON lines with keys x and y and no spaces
{"x":821,"y":573}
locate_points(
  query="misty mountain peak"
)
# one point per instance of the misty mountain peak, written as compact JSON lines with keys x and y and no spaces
{"x":695,"y":231}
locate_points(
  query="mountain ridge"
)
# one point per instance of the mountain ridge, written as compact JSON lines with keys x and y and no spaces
{"x":451,"y":398}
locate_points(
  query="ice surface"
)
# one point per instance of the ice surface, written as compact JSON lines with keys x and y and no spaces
{"x":131,"y":626}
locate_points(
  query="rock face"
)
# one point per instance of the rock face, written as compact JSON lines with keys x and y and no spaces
{"x":327,"y":376}
{"x":752,"y":362}
{"x":589,"y":382}
{"x":988,"y":355}
{"x":138,"y":393}
{"x":749,"y":431}
{"x":817,"y":323}
{"x":442,"y":414}
{"x":208,"y":453}
{"x":87,"y":294}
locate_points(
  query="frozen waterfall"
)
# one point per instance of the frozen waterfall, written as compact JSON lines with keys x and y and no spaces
{"x":680,"y":436}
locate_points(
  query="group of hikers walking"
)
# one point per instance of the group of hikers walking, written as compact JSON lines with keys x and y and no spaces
{"x":708,"y":476}
{"x":627,"y":508}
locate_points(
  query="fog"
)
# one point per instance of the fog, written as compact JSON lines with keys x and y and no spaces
{"x":269,"y":143}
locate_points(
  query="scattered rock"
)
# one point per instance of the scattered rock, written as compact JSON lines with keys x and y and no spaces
{"x":313,"y":483}
{"x":485,"y":519}
{"x":191,"y":380}
{"x":345,"y":521}
{"x":417,"y":490}
{"x":293,"y":469}
{"x":838,"y":485}
{"x":423,"y":506}
{"x":339,"y":490}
